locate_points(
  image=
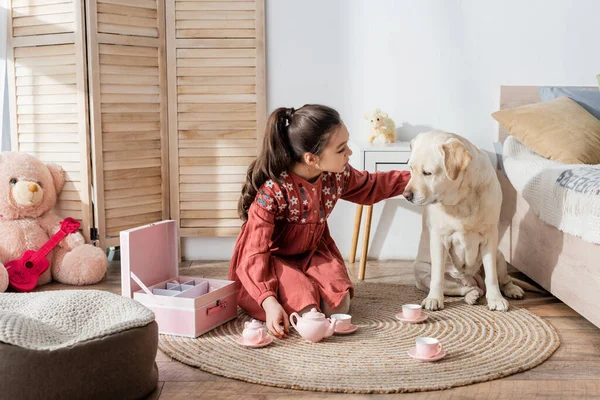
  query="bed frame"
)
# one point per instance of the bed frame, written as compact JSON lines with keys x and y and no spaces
{"x":563,"y":264}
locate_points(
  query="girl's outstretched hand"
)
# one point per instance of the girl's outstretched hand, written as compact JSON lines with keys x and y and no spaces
{"x":275,"y":316}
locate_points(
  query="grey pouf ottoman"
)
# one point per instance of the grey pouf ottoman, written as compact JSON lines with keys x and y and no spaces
{"x":76,"y":344}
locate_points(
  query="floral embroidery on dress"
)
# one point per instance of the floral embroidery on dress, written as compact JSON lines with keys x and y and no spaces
{"x":262,"y":198}
{"x":334,"y":185}
{"x":270,"y":197}
{"x":346,"y":174}
{"x":295,"y":201}
{"x":304,"y":204}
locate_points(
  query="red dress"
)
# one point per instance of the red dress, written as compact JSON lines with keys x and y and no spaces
{"x":285,"y":249}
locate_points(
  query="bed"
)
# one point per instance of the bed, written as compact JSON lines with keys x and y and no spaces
{"x":563,"y":263}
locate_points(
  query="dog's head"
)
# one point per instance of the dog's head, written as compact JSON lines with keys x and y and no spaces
{"x":438,"y":161}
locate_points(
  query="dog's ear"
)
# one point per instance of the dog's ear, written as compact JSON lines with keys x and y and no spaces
{"x":456,"y":158}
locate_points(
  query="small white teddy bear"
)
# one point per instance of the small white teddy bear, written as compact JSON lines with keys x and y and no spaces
{"x":383,"y":128}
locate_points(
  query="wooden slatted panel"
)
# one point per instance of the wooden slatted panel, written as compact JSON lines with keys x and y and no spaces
{"x":215,"y":19}
{"x":218,"y":83}
{"x":48,"y":95}
{"x":42,"y":17}
{"x":128,"y":17}
{"x":129,"y":114}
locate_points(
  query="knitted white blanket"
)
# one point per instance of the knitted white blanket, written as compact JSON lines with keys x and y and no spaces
{"x":57,"y":319}
{"x":566,"y":196}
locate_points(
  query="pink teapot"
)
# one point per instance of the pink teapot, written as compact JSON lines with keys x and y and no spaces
{"x":313,"y":325}
{"x":254,"y":332}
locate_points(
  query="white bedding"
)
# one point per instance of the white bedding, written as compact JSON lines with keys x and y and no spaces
{"x":566,"y":196}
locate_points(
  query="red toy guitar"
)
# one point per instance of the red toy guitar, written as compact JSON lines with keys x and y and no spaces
{"x":23,"y":273}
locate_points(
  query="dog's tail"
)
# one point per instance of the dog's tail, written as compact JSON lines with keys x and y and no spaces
{"x":526,"y":286}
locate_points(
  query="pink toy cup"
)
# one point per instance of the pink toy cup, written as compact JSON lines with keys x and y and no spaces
{"x":343,"y":321}
{"x":428,"y":347}
{"x":411,"y":311}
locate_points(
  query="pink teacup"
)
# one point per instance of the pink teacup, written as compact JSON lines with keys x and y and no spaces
{"x":343,"y":321}
{"x":428,"y":347}
{"x":411,"y":311}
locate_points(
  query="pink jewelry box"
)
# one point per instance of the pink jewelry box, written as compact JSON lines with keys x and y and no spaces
{"x":183,"y":305}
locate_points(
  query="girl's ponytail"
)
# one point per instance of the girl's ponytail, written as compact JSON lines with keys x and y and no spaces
{"x":275,"y":157}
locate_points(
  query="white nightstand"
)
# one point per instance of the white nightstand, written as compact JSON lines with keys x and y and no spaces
{"x":372,"y":158}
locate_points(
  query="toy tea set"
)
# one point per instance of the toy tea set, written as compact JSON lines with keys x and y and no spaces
{"x":314,"y":327}
{"x":190,"y":306}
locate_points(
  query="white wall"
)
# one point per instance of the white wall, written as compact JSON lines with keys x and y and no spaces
{"x":428,"y":63}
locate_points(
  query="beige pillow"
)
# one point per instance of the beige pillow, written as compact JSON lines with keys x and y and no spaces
{"x":559,"y":129}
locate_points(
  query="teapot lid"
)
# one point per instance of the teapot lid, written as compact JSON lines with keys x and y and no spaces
{"x":255,"y":324}
{"x":313,"y":314}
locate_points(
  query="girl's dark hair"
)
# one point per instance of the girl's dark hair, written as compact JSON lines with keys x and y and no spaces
{"x":290,"y":133}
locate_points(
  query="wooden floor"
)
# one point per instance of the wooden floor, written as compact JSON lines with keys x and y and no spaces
{"x":573,"y":372}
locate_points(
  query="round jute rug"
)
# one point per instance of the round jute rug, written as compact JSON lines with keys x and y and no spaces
{"x":481,"y":345}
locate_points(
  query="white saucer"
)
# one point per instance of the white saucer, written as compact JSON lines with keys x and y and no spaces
{"x":422,"y":318}
{"x":267,"y":341}
{"x":351,"y":329}
{"x":413,"y":353}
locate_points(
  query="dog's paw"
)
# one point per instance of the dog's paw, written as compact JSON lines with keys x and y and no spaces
{"x":433,"y":303}
{"x":497,"y":303}
{"x":513,"y":291}
{"x":473,"y":296}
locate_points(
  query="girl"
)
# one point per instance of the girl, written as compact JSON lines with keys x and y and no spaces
{"x":284,"y":257}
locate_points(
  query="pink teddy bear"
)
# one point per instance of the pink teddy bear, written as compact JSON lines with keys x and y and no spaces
{"x":28,"y":193}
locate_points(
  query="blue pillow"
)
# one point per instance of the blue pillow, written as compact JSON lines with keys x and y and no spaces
{"x":588,"y":98}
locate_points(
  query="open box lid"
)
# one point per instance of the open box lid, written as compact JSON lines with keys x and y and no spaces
{"x":150,"y":252}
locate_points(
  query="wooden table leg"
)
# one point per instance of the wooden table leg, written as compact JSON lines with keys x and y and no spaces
{"x":357,"y":218}
{"x":365,"y":246}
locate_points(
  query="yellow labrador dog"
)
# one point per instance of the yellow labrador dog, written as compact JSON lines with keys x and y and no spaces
{"x":457,"y":183}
